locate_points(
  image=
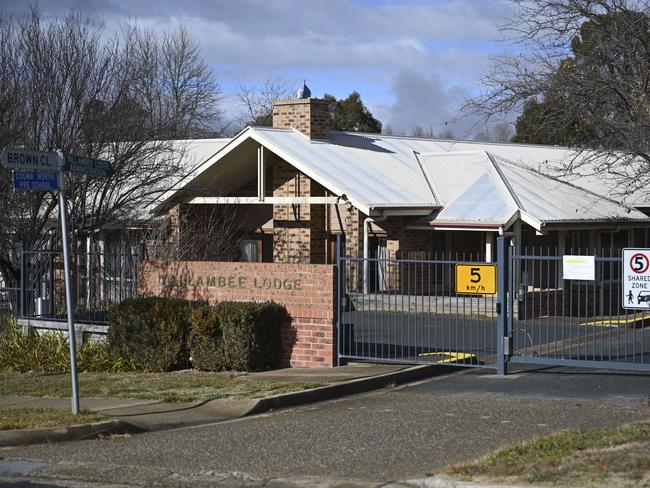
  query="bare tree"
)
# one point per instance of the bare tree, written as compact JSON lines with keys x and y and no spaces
{"x":256,"y":100}
{"x":63,"y":88}
{"x":588,"y":63}
{"x":502,"y":132}
{"x":483,"y":136}
{"x":196,"y":233}
{"x":447,"y":133}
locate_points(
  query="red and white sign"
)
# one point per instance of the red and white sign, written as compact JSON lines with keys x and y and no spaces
{"x":636,"y":279}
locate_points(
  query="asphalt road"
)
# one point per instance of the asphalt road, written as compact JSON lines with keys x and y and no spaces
{"x":393,"y":434}
{"x":401,"y":335}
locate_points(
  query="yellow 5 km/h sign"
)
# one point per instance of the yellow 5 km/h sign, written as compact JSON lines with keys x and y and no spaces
{"x":476,"y":279}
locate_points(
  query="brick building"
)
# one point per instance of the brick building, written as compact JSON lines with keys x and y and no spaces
{"x":298,"y":185}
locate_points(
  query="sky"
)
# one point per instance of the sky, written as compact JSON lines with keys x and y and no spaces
{"x":413,"y":62}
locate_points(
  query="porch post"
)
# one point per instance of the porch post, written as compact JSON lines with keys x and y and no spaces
{"x":561,"y":249}
{"x":340,"y":294}
{"x":489,"y":246}
{"x":503,"y":340}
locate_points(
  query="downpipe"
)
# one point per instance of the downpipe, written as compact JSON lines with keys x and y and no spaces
{"x":366,"y":231}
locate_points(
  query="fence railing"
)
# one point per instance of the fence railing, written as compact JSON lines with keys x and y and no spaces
{"x":407,"y":310}
{"x":9,"y":299}
{"x":575,"y":322}
{"x":98,"y":280}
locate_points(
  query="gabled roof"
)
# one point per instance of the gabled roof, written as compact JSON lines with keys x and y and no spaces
{"x":481,"y":183}
{"x":478,"y":188}
{"x":610,"y":177}
{"x":372,"y":171}
{"x":193,"y":155}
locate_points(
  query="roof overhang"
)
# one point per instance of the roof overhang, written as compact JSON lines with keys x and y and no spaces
{"x":595,"y":224}
{"x":249,"y":133}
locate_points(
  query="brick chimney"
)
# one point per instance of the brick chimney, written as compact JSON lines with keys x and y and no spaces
{"x":311,"y":116}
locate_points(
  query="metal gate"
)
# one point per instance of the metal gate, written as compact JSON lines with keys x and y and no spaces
{"x":407,"y":311}
{"x":575,"y":322}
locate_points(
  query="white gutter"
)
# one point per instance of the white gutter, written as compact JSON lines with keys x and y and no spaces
{"x":366,"y":230}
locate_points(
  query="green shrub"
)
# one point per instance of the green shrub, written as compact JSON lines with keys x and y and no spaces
{"x":101,"y":357}
{"x":243,"y":336}
{"x":205,"y":339}
{"x":49,"y":352}
{"x":152,"y":332}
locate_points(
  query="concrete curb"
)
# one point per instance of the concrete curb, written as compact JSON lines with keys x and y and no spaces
{"x":350,"y":387}
{"x":333,"y":391}
{"x":22,"y":437}
{"x":445,"y":482}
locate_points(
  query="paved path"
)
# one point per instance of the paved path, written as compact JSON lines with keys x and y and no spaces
{"x":152,"y":415}
{"x":398,"y":433}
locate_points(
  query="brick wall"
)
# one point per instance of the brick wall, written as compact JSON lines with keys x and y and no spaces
{"x":291,"y":222}
{"x":310,"y":116}
{"x":307,"y":291}
{"x":467,"y":245}
{"x":299,"y":234}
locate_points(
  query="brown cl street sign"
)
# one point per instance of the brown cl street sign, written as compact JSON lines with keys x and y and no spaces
{"x":30,"y":160}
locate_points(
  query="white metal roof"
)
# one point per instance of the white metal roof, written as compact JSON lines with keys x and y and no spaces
{"x":192,"y":154}
{"x":553,"y":160}
{"x":494,"y":191}
{"x":473,"y":182}
{"x":375,"y":171}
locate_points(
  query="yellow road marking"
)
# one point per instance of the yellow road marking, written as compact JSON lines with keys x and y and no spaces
{"x":616,"y":322}
{"x":452,"y":357}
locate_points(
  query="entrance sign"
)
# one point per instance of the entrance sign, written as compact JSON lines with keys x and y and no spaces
{"x":88,"y":166}
{"x":35,"y":181}
{"x":636,"y":279}
{"x":579,"y":268}
{"x":476,"y":279}
{"x":28,"y":160}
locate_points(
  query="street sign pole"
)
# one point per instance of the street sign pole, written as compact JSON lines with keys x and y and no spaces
{"x":63,"y":217}
{"x":44,"y":171}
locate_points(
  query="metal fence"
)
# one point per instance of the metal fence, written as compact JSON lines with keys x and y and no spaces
{"x":98,"y":280}
{"x":575,"y":322}
{"x":9,"y":293}
{"x":407,"y":310}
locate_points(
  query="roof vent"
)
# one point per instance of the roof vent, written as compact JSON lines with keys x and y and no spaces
{"x":304,"y":92}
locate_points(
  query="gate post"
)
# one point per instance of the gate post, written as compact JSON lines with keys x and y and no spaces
{"x":503,"y":270}
{"x":52,"y":283}
{"x":340,"y":294}
{"x":23,"y":281}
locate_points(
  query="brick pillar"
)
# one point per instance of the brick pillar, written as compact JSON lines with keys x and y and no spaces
{"x":291,"y":222}
{"x":317,"y":231}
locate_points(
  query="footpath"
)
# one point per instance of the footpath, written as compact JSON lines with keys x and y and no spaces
{"x":133,"y":415}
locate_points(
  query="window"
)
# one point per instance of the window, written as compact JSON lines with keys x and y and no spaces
{"x":248,"y":251}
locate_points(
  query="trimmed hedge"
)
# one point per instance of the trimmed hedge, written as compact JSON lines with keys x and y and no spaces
{"x":152,"y":332}
{"x":160,"y":334}
{"x":242,"y":336}
{"x":205,"y":339}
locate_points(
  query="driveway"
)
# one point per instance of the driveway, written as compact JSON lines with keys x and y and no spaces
{"x":393,"y":434}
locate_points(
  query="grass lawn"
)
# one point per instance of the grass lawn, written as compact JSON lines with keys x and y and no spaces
{"x":177,"y":386}
{"x":600,"y":457}
{"x":28,"y":418}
